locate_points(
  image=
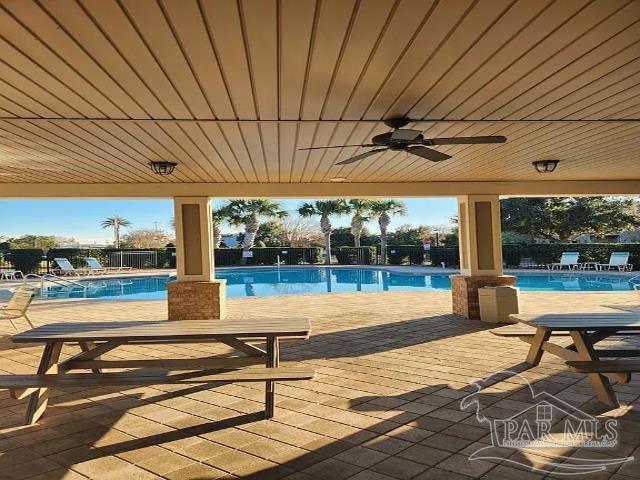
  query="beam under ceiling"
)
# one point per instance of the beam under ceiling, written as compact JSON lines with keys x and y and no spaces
{"x":319,"y":190}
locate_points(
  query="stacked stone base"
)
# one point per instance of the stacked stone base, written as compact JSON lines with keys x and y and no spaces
{"x":464,"y":292}
{"x":197,"y":300}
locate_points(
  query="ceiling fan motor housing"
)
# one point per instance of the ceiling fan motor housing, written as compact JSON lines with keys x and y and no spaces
{"x":397,"y":122}
{"x":388,"y":140}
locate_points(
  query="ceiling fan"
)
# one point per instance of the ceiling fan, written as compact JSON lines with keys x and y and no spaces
{"x":410,"y":141}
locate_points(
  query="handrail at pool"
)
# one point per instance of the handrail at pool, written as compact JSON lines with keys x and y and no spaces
{"x":630,"y":280}
{"x":50,"y":277}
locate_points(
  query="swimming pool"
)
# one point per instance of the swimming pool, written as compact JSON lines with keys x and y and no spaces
{"x":250,"y":282}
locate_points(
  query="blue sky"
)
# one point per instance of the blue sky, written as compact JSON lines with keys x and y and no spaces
{"x":80,"y":219}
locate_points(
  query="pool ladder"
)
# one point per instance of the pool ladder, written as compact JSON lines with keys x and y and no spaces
{"x":636,"y":286}
{"x":55,"y":279}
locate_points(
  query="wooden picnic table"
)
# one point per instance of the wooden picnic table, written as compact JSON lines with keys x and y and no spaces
{"x":97,"y":338}
{"x":586,"y":330}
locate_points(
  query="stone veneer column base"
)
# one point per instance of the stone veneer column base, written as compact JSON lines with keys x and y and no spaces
{"x":464,"y":292}
{"x":197,"y":300}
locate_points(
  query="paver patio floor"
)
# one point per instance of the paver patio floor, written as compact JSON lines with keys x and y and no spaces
{"x":391,"y":368}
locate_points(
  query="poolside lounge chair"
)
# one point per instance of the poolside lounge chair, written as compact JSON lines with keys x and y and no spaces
{"x":18,"y":305}
{"x":568,"y":259}
{"x":10,"y":274}
{"x":95,"y":265}
{"x":619,"y":260}
{"x":66,"y":269}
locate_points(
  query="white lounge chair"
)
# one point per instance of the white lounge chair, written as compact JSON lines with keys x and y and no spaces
{"x":95,"y":265}
{"x":66,"y":269}
{"x":18,"y":305}
{"x":619,"y":260}
{"x":568,"y":259}
{"x":10,"y":274}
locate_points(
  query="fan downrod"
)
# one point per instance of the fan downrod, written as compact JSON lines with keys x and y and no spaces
{"x":397,"y":122}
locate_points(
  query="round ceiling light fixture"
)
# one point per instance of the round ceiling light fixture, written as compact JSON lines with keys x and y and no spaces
{"x":162,"y":167}
{"x":545,"y":166}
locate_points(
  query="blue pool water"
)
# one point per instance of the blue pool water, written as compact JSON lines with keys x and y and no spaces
{"x":249,"y":282}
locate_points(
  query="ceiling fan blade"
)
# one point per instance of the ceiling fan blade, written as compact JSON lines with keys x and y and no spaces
{"x":405,"y":134}
{"x":359,"y":157}
{"x":428,"y":153}
{"x":339,"y":146}
{"x":465,"y":140}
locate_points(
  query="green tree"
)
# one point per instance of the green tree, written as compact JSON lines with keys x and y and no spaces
{"x":250,"y":214}
{"x":145,"y":238}
{"x":34,"y":241}
{"x":270,"y":234}
{"x":342,"y":237}
{"x":325,"y":209}
{"x":361,"y":209}
{"x":115,"y":223}
{"x":451,"y":239}
{"x":384,"y":210}
{"x":409,"y":235}
{"x":562,"y":219}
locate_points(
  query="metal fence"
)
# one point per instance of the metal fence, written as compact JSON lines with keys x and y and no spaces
{"x":137,"y":259}
{"x":35,"y":260}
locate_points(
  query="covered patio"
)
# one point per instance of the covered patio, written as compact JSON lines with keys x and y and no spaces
{"x":93,"y":92}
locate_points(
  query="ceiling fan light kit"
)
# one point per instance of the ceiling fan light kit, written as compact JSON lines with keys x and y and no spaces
{"x":410,"y":141}
{"x":545,"y":166}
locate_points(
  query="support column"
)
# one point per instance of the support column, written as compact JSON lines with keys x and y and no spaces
{"x":480,"y":240}
{"x":196,"y":294}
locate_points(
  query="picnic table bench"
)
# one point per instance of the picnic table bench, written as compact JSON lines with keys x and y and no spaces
{"x":97,"y":338}
{"x":586,"y":330}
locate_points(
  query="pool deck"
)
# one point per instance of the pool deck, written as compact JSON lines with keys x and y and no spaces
{"x":391,"y":369}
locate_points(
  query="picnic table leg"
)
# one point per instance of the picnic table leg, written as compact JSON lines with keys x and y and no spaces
{"x":601,"y":384}
{"x":537,"y":342}
{"x":272,"y":361}
{"x":39,"y":399}
{"x":85,"y":347}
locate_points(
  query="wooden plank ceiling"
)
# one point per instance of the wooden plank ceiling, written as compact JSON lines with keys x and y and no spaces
{"x":92,"y":90}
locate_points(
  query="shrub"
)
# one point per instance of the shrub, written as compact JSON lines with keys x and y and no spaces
{"x":397,"y":256}
{"x":267,"y":256}
{"x":27,"y":260}
{"x":550,"y":252}
{"x":355,"y":255}
{"x":413,"y":254}
{"x":449,"y":255}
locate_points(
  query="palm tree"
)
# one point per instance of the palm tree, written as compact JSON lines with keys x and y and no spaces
{"x":115,"y":222}
{"x":249,"y":213}
{"x":218,"y":217}
{"x":325,"y":209}
{"x":361,"y":209}
{"x":384,"y":210}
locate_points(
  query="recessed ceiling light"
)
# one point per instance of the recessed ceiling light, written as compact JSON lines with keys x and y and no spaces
{"x":338,"y":179}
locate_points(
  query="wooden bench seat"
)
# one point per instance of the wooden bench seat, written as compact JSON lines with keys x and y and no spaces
{"x":606,"y":366}
{"x":519,"y":330}
{"x":151,"y":377}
